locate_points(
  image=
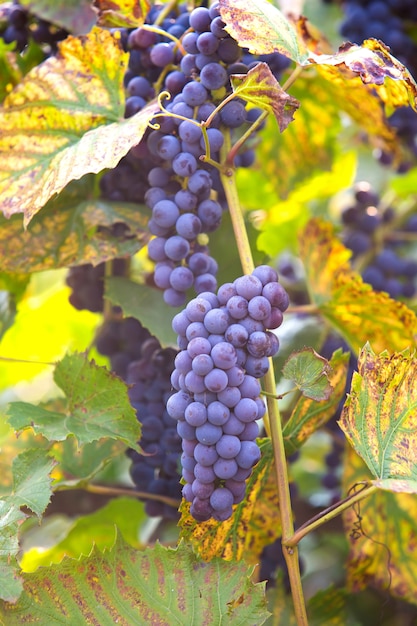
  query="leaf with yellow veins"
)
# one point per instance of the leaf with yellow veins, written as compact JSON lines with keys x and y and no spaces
{"x":122,"y":13}
{"x":380,"y":417}
{"x":260,"y":87}
{"x":262,"y":28}
{"x":254,"y":524}
{"x":64,"y":120}
{"x":383,"y":544}
{"x":359,"y":313}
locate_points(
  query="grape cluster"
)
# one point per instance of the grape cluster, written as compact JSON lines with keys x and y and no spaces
{"x":224,"y":350}
{"x":137,"y":357}
{"x":21,"y":26}
{"x":391,"y":21}
{"x":156,"y":471}
{"x":87,"y":284}
{"x":372,"y":232}
{"x":185,"y":193}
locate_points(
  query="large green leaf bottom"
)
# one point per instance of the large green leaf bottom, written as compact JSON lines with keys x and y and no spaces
{"x":124,"y":586}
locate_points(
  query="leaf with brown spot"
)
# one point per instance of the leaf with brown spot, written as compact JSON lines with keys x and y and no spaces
{"x":122,"y":13}
{"x":262,"y":28}
{"x":260,"y":87}
{"x":384,"y":544}
{"x":64,"y":120}
{"x":76,"y":16}
{"x":377,"y":67}
{"x":379,"y":418}
{"x":309,"y":415}
{"x":126,"y":586}
{"x":254,"y":524}
{"x":71,"y":230}
{"x":354,"y":309}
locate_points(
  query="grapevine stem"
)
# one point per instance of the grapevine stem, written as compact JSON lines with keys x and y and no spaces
{"x":329,"y":513}
{"x":103,"y":490}
{"x":274,"y":425}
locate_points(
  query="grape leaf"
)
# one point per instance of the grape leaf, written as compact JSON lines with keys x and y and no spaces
{"x":375,"y":66}
{"x":78,"y":464}
{"x":262,"y":28}
{"x":310,"y":372}
{"x":145,"y":303}
{"x":260,"y":87}
{"x":309,"y":415}
{"x":127,"y":586}
{"x":380,"y":419}
{"x":63,"y":121}
{"x":9,"y":70}
{"x":382,"y":541}
{"x":72,"y":230}
{"x":7,"y":311}
{"x":87,"y":531}
{"x":254,"y":524}
{"x":353,"y":308}
{"x":10,"y":519}
{"x":328,"y":608}
{"x":32,"y":480}
{"x":122,"y":13}
{"x":97,"y":406}
{"x":76,"y":16}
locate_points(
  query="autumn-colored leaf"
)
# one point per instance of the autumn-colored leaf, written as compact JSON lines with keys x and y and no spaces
{"x":262,"y":28}
{"x":260,"y":87}
{"x":383,"y":540}
{"x":122,"y":13}
{"x":9,"y":69}
{"x":254,"y":524}
{"x":309,"y":415}
{"x":71,"y":230}
{"x":63,"y":121}
{"x":380,"y":417}
{"x":375,"y":66}
{"x":76,"y":16}
{"x":126,"y":586}
{"x":310,"y":372}
{"x":353,"y":308}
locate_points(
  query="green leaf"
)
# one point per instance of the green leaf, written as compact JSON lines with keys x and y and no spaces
{"x":380,"y":418}
{"x":32,"y":480}
{"x":9,"y":70}
{"x":309,"y":415}
{"x":145,"y":304}
{"x":10,"y":519}
{"x":310,"y":372}
{"x":7,"y":311}
{"x":71,"y":230}
{"x":328,"y":608}
{"x":97,"y":406}
{"x":65,"y":120}
{"x":262,"y":28}
{"x":260,"y":87}
{"x":76,"y":16}
{"x":127,"y":586}
{"x":78,"y":464}
{"x":127,"y":515}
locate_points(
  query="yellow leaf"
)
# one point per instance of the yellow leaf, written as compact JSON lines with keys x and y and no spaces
{"x":383,"y":539}
{"x":374,"y":64}
{"x":126,"y":13}
{"x":64,"y":120}
{"x":354,"y":309}
{"x":380,"y":416}
{"x":254,"y":524}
